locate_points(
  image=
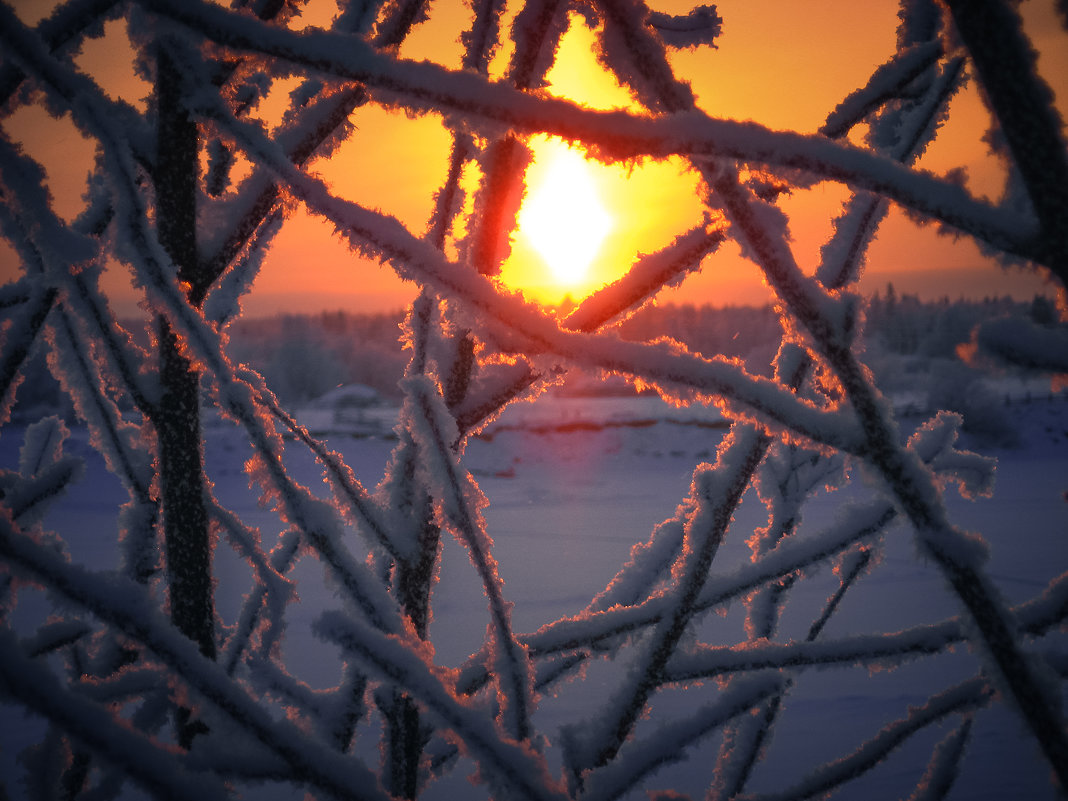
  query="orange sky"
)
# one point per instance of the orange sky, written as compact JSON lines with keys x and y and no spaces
{"x":783,"y":64}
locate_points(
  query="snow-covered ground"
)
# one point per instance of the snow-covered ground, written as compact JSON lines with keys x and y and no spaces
{"x":565,"y":507}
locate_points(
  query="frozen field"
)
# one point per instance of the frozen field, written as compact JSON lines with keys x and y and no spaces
{"x":565,"y":509}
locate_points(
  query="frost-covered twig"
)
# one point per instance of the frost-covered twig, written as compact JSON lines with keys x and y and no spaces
{"x":49,"y":248}
{"x":25,"y":326}
{"x":233,"y":650}
{"x":475,"y":349}
{"x":515,"y":765}
{"x":888,"y":82}
{"x":246,"y":542}
{"x":411,"y":574}
{"x":627,"y":606}
{"x":700,"y":26}
{"x":246,"y":218}
{"x":350,"y":493}
{"x":318,"y":520}
{"x":667,"y":744}
{"x":762,"y":230}
{"x":964,"y":697}
{"x":857,"y":524}
{"x":123,"y":604}
{"x":153,"y":766}
{"x":504,"y":160}
{"x":944,"y":766}
{"x":309,"y":130}
{"x":676,"y":372}
{"x":29,"y":496}
{"x":1023,"y":102}
{"x":787,"y":478}
{"x":907,"y":131}
{"x":705,"y":528}
{"x":67,"y":23}
{"x":460,"y":504}
{"x":647,"y":276}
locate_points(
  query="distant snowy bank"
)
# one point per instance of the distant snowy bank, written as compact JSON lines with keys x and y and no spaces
{"x":359,"y":411}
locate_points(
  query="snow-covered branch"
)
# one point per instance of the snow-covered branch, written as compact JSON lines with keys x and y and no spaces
{"x":152,"y":765}
{"x":965,"y":697}
{"x":433,"y":428}
{"x":124,"y":605}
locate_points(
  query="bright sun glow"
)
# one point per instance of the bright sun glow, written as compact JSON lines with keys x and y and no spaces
{"x":563,"y":218}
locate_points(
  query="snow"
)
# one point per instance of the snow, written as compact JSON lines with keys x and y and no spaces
{"x":566,"y":506}
{"x":564,"y":414}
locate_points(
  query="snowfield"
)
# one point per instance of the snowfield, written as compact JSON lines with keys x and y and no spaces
{"x":566,"y":503}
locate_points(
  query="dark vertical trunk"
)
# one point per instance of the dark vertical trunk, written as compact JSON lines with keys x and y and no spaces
{"x":405,"y":728}
{"x":185,"y":519}
{"x":405,"y":744}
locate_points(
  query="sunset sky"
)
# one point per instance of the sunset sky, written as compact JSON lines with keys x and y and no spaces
{"x":783,"y":64}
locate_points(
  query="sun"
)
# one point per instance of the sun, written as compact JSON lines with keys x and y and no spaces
{"x":562,"y":217}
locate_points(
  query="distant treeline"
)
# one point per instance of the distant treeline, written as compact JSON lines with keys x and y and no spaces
{"x":906,"y":325}
{"x":304,"y":356}
{"x":901,"y":324}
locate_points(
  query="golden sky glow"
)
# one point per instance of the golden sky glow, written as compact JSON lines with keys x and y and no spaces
{"x":783,"y":64}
